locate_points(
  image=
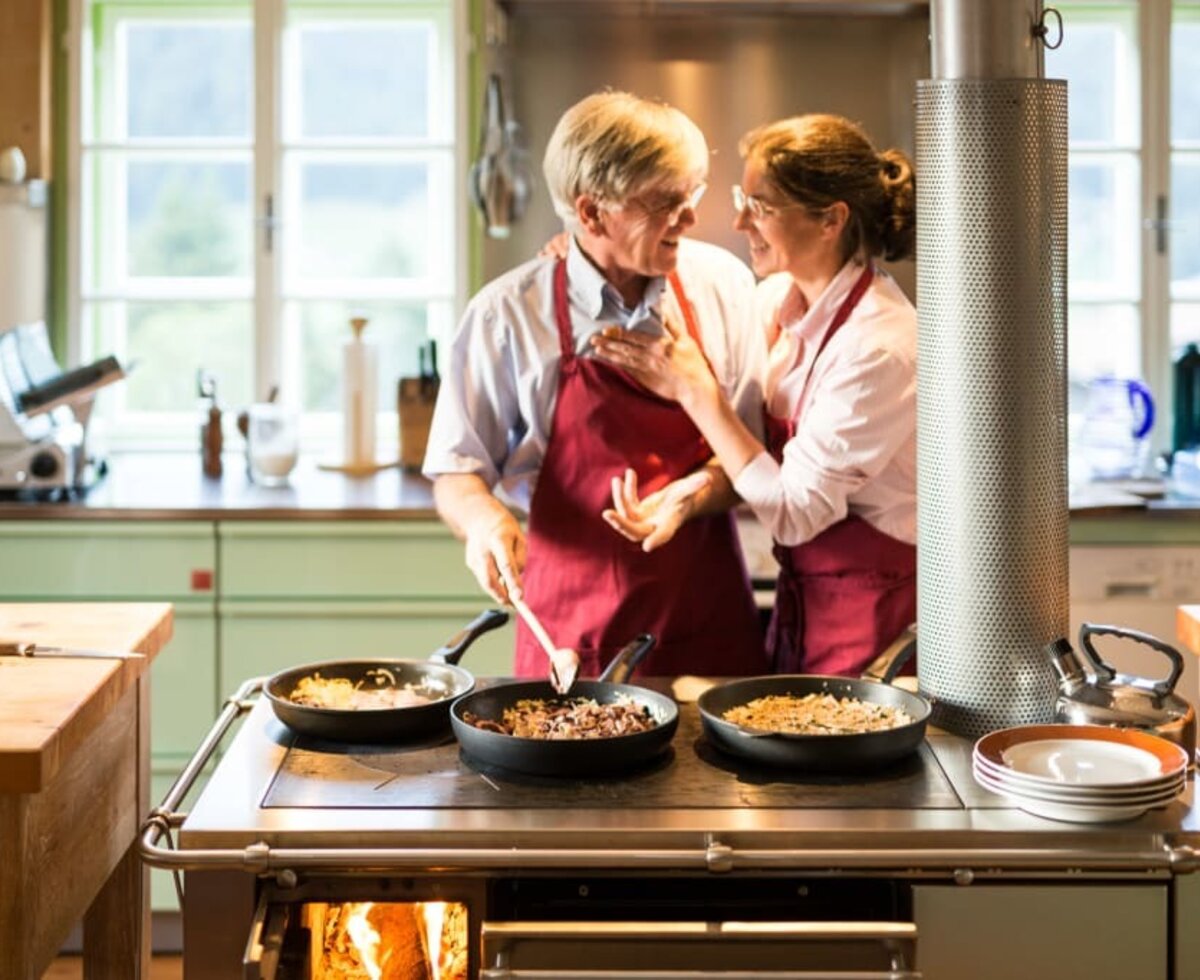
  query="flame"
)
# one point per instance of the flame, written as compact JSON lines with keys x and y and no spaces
{"x":433,"y":914}
{"x":365,"y":938}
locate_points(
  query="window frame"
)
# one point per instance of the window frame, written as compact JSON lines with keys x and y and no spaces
{"x":175,"y":430}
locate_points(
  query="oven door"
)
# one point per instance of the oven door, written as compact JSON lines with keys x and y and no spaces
{"x":696,"y":950}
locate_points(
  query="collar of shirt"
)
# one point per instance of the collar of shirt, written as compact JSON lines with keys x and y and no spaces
{"x":797,"y":343}
{"x":815,"y":323}
{"x":598,"y":298}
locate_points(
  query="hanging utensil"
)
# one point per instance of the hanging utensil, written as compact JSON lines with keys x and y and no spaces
{"x":498,"y":180}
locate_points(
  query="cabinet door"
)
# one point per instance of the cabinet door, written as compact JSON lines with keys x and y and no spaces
{"x":1041,"y":932}
{"x":183,"y":684}
{"x":260,"y":638}
{"x":58,"y":560}
{"x":342,"y":560}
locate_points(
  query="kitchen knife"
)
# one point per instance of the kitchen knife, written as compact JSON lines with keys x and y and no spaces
{"x":17,"y":648}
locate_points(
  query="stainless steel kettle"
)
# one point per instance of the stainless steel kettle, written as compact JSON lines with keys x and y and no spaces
{"x":1096,"y":694}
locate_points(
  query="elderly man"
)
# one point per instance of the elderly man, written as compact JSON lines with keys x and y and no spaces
{"x":526,"y":410}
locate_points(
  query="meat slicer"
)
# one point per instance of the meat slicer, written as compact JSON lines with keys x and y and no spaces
{"x":44,"y":414}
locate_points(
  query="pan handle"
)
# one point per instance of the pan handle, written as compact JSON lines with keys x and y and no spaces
{"x":456,"y":646}
{"x":625,"y":662}
{"x":887,"y":664}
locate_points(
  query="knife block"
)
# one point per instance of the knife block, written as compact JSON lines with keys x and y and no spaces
{"x":415,"y":398}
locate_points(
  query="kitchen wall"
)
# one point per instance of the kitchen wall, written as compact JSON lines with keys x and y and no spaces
{"x":25,"y":81}
{"x":728,"y":71}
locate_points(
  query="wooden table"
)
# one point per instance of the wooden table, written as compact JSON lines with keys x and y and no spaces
{"x":1187,"y":627}
{"x":74,"y":786}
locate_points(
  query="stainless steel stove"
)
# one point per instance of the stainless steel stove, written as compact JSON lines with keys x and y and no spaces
{"x":711,"y":864}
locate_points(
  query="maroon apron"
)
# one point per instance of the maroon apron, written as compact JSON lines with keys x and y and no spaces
{"x":843,"y":596}
{"x":594,"y":590}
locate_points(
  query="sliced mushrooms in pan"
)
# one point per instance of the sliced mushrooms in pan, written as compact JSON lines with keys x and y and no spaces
{"x":603,"y":726}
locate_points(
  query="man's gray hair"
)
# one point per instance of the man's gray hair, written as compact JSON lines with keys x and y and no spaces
{"x":613,"y":145}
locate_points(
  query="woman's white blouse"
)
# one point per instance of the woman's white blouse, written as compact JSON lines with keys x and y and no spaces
{"x":855,"y":446}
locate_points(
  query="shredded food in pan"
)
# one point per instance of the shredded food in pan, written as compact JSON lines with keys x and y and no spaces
{"x":316,"y":691}
{"x":574,"y":718}
{"x":816,"y":714}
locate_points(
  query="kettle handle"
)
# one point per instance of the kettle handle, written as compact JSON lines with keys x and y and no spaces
{"x":1138,"y":392}
{"x":1162,"y":687}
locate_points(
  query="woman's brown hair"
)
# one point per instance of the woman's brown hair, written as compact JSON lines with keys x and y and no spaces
{"x":817,"y":160}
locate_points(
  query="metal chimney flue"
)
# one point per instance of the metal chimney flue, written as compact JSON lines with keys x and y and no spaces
{"x":991,"y":154}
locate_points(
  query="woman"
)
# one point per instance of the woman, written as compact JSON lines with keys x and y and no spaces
{"x":527,"y":410}
{"x":836,"y":481}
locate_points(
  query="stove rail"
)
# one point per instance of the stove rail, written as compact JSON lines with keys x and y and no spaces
{"x":963,"y":863}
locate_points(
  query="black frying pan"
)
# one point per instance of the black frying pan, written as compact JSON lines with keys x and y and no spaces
{"x":436,"y":678}
{"x":817,"y":753}
{"x":568,"y":757}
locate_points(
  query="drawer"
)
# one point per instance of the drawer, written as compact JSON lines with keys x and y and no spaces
{"x":342,"y":560}
{"x":106,"y":560}
{"x":260,"y":638}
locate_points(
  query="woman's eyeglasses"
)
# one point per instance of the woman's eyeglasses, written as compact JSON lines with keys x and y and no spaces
{"x":758,"y":208}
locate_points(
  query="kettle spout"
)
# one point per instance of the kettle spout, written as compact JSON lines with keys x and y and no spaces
{"x":1065,"y":662}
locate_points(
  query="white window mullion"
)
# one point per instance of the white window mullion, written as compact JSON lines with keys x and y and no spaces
{"x":268,"y":343}
{"x":1155,"y":44}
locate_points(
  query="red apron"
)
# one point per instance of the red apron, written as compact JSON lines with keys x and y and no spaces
{"x":591,"y":588}
{"x":843,"y":596}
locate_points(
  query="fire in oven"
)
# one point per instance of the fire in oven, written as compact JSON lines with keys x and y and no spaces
{"x":575,"y":927}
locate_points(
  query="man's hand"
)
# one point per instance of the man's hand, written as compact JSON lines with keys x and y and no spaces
{"x":496,"y":556}
{"x":654,"y":520}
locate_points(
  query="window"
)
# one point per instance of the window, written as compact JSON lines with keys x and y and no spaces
{"x":251,"y":174}
{"x":1133,"y":71}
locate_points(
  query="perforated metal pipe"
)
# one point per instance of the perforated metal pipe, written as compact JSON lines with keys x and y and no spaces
{"x":991,"y":422}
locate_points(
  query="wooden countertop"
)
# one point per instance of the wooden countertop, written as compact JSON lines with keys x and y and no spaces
{"x":172,"y":486}
{"x":50,"y":706}
{"x":1187,"y":627}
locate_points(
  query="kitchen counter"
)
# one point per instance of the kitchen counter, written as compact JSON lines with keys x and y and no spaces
{"x":171,"y":486}
{"x":74,"y":782}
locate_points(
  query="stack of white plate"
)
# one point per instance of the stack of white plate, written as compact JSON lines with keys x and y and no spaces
{"x":1081,"y":773}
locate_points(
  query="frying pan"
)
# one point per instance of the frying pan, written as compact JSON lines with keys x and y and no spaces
{"x":819,"y":753}
{"x":436,"y":678}
{"x":568,"y":757}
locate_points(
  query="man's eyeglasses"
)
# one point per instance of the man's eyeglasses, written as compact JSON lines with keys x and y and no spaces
{"x":671,"y":210}
{"x":757,"y":207}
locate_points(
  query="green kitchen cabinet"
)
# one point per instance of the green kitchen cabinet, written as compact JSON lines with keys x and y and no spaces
{"x":135,"y":561}
{"x":106,"y":560}
{"x":131,"y":561}
{"x":292,"y":592}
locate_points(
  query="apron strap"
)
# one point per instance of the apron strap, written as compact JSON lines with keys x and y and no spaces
{"x":562,"y":314}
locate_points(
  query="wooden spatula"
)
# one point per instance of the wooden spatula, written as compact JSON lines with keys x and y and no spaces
{"x":564,"y":662}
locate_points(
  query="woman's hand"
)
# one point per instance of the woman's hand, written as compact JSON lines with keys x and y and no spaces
{"x":653,"y":520}
{"x":556,"y":248}
{"x":672,"y":366}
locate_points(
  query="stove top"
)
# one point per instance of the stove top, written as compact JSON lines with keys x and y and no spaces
{"x":691,"y":774}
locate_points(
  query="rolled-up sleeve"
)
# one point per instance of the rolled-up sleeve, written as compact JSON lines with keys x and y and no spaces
{"x":477,"y":407}
{"x":858,"y":416}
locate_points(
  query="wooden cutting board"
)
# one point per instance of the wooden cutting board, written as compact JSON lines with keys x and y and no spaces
{"x":49,"y":706}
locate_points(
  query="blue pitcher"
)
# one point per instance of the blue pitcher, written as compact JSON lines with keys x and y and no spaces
{"x":1118,"y":415}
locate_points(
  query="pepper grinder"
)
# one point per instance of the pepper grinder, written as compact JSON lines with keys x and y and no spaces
{"x":211,"y":437}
